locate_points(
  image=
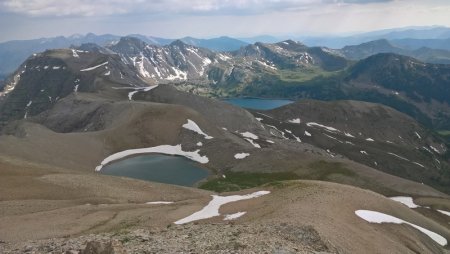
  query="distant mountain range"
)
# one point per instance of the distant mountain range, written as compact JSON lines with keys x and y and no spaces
{"x":367,"y":49}
{"x":419,"y":36}
{"x":287,"y":69}
{"x":424,"y":43}
{"x":13,"y":53}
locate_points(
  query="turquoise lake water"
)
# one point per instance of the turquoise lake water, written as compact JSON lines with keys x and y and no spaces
{"x":158,"y":168}
{"x":254,"y":103}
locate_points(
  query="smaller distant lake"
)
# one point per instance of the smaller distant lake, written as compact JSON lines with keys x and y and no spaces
{"x":158,"y":168}
{"x":254,"y":103}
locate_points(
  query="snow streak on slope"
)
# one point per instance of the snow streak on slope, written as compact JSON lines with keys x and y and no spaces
{"x":240,"y":156}
{"x":95,"y":67}
{"x":162,"y":149}
{"x":408,"y":201}
{"x":212,"y":209}
{"x":377,"y":217}
{"x":191,"y":125}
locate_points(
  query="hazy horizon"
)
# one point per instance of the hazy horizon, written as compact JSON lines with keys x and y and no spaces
{"x":213,"y":18}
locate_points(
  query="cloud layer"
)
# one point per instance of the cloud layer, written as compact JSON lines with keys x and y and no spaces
{"x":205,"y":7}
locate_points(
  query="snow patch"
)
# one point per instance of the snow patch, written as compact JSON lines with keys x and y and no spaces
{"x":179,"y":75}
{"x":327,"y":128}
{"x":377,"y":217}
{"x":159,"y":203}
{"x":199,"y":144}
{"x":240,"y":156}
{"x":408,"y":201}
{"x":296,"y":120}
{"x":364,"y":152}
{"x":307,"y":134}
{"x":326,"y":135}
{"x":234,"y":216}
{"x":212,"y":209}
{"x":417,"y":134}
{"x":74,"y":53}
{"x":348,"y":135}
{"x":130,"y":94}
{"x":435,"y":149}
{"x":398,"y":156}
{"x":249,"y":135}
{"x":418,"y":164}
{"x":256,"y":145}
{"x":444,"y":212}
{"x":369,"y":139}
{"x":162,"y":149}
{"x":191,"y":125}
{"x":95,"y":67}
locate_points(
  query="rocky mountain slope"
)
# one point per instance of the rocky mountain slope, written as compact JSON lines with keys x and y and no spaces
{"x":13,"y":53}
{"x":65,"y":111}
{"x":371,"y":134}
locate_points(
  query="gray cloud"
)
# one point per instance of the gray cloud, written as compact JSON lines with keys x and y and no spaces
{"x":205,"y":7}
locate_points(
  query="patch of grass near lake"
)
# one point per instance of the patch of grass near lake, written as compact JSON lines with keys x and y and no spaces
{"x":235,"y":181}
{"x":323,"y":170}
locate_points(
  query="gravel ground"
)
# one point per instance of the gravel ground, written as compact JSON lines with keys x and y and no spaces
{"x":192,"y":238}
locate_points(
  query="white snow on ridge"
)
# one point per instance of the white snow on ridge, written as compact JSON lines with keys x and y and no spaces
{"x":94,"y":67}
{"x":418,"y":164}
{"x":130,"y":94}
{"x":444,"y":212}
{"x":179,"y":75}
{"x":275,"y":128}
{"x":435,"y":149}
{"x":74,"y":53}
{"x":191,"y":125}
{"x":398,"y":156}
{"x":348,"y":135}
{"x":307,"y":134}
{"x":296,"y":120}
{"x":328,"y":128}
{"x":265,"y":65}
{"x":256,"y":145}
{"x":234,"y":216}
{"x":223,"y":57}
{"x":370,"y":139}
{"x":326,"y":135}
{"x":159,"y":203}
{"x":212,"y":209}
{"x":136,"y":89}
{"x":408,"y":201}
{"x":241,"y":156}
{"x":29,"y":103}
{"x":377,"y":217}
{"x":249,"y":135}
{"x":296,"y":138}
{"x":364,"y":152}
{"x":162,"y":149}
{"x":417,"y":134}
{"x":144,"y":73}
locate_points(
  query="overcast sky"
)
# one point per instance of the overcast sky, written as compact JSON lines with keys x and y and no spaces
{"x":25,"y":19}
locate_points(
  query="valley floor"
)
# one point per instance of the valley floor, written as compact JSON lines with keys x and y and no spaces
{"x":46,"y":209}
